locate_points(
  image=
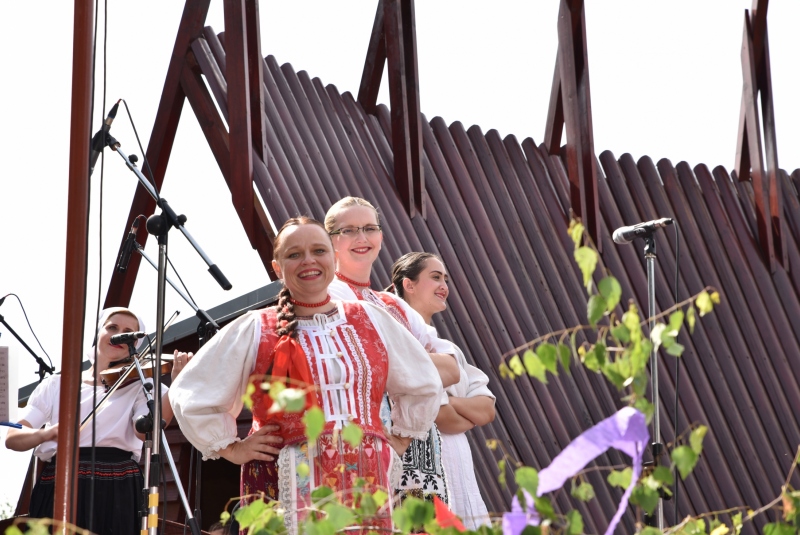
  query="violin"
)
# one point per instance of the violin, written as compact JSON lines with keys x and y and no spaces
{"x":110,"y":376}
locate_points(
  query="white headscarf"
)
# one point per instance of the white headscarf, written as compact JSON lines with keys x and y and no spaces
{"x":104,"y":315}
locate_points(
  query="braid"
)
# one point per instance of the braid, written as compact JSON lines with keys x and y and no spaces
{"x":287,"y":321}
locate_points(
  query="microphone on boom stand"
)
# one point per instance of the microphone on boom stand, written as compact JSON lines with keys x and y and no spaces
{"x":99,"y":139}
{"x":625,"y":235}
{"x":127,"y":248}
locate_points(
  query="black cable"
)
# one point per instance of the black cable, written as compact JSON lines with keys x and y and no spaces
{"x":31,"y":328}
{"x":144,"y":155}
{"x":181,"y":281}
{"x":677,"y":367}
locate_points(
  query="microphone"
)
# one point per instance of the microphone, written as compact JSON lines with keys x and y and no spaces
{"x":126,"y":338}
{"x":99,"y":139}
{"x":625,"y":235}
{"x":127,"y":248}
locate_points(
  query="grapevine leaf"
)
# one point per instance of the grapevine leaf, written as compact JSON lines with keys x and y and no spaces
{"x":703,"y":303}
{"x":584,"y":492}
{"x":516,"y":365}
{"x":314,"y":420}
{"x":547,"y":354}
{"x":696,"y":439}
{"x":685,"y":459}
{"x":535,"y":366}
{"x":620,"y":478}
{"x":611,"y":291}
{"x":352,"y":434}
{"x":595,"y":309}
{"x":574,"y":522}
{"x":586,"y":259}
{"x":691,"y":318}
{"x":564,"y":356}
{"x":528,"y":479}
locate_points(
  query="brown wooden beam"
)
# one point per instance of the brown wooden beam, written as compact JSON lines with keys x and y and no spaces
{"x":159,"y":148}
{"x":373,"y":64}
{"x":414,"y":112}
{"x":65,"y":501}
{"x":255,"y":65}
{"x":240,"y":130}
{"x":570,"y":106}
{"x":213,"y":127}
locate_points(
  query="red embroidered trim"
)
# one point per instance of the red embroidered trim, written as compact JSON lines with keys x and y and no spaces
{"x":351,"y":281}
{"x":311,"y":305}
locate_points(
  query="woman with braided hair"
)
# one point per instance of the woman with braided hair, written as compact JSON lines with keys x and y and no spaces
{"x":349,"y":352}
{"x":421,"y":280}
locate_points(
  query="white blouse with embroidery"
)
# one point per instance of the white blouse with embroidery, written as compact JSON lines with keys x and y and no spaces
{"x":207,"y":395}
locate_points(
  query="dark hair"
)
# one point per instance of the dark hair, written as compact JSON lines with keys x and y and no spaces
{"x":408,"y":266}
{"x":287,"y":320}
{"x":215,"y":526}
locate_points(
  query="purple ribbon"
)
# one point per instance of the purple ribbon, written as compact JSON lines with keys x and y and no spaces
{"x":626,"y":431}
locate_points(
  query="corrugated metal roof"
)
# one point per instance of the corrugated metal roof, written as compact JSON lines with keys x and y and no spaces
{"x":497,"y":214}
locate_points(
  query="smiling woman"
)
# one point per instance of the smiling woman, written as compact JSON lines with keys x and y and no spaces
{"x":348,"y":353}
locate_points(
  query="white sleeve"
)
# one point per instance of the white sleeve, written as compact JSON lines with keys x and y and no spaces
{"x":207,"y":395}
{"x":341,"y":291}
{"x":39,"y":409}
{"x":413,"y":382}
{"x":478,"y":382}
{"x":422,"y":331}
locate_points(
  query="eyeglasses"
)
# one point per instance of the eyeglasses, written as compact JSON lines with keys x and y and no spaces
{"x":352,"y":232}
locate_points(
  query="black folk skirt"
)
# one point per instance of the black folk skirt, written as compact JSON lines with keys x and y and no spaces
{"x":116,"y":503}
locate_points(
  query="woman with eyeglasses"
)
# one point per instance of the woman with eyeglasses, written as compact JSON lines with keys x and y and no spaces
{"x":354,"y":226}
{"x":421,"y":280}
{"x":345,"y":354}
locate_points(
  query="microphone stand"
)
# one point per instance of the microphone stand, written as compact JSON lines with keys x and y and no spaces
{"x":657,"y":446}
{"x":43,"y":367}
{"x":159,"y":226}
{"x":205,"y":330}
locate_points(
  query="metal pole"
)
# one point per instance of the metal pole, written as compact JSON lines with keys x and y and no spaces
{"x":650,"y":258}
{"x":65,"y":502}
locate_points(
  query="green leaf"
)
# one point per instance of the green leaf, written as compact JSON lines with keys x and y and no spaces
{"x":779,"y":528}
{"x":290,"y":399}
{"x":715,"y":298}
{"x":691,"y":318}
{"x":676,"y":349}
{"x":380,"y":497}
{"x":621,"y":478}
{"x":320,"y":494}
{"x":535,"y":366}
{"x":650,"y":531}
{"x":611,"y":291}
{"x":318,"y":527}
{"x":13,"y":530}
{"x":547,"y":354}
{"x":564,"y":356}
{"x":516,"y":365}
{"x":303,"y":470}
{"x":250,"y":513}
{"x":621,"y":333}
{"x":645,"y":497}
{"x":501,"y":476}
{"x":696,"y":438}
{"x":675,"y":322}
{"x":595,"y":359}
{"x":339,"y":515}
{"x":528,"y":479}
{"x":631,"y":320}
{"x":576,"y":232}
{"x":247,"y":397}
{"x":544,"y":507}
{"x":402,"y":520}
{"x":645,"y":407}
{"x":664,"y":475}
{"x":368,"y":505}
{"x":574,"y":522}
{"x":420,"y":511}
{"x":685,"y":459}
{"x":352,"y":434}
{"x":584,"y":492}
{"x":586,"y":258}
{"x":314,"y":420}
{"x":703,"y":303}
{"x":737,"y":522}
{"x":595,"y":309}
{"x":275,"y":389}
{"x":224,"y":517}
{"x":505,"y":371}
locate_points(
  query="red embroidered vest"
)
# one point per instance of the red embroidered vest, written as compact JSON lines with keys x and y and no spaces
{"x":356,"y":396}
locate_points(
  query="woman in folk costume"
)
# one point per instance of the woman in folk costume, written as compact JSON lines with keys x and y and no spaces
{"x":354,"y":226}
{"x":350,"y":352}
{"x":421,"y":280}
{"x":115,"y":473}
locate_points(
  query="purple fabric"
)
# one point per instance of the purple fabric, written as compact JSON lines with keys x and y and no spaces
{"x":516,"y":520}
{"x":625,"y":431}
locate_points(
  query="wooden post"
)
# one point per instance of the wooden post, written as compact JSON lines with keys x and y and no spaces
{"x":571,"y":106}
{"x":66,"y":484}
{"x":750,"y":162}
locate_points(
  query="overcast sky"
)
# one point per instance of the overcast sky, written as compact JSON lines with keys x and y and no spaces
{"x":665,"y":78}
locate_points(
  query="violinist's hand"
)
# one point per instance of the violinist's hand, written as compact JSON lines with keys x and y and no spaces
{"x":181,"y":360}
{"x":261,"y":445}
